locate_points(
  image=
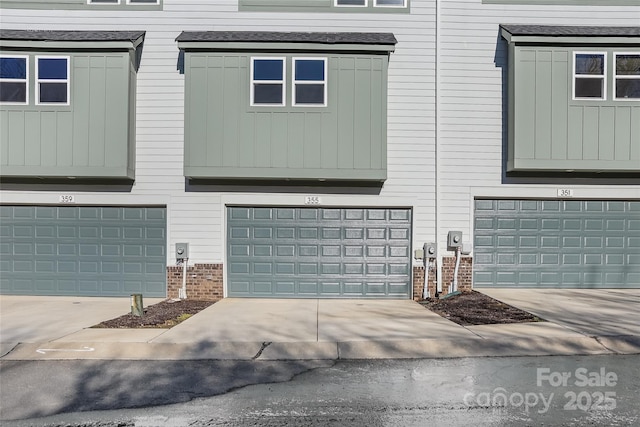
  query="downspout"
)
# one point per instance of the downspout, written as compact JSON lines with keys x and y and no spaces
{"x":438,"y":260}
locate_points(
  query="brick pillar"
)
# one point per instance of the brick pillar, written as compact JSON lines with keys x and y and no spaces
{"x":204,"y":281}
{"x":449,"y":263}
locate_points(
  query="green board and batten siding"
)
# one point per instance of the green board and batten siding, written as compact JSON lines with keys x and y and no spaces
{"x":83,"y":251}
{"x":548,"y":130}
{"x":557,"y":243}
{"x":92,"y":137}
{"x":318,"y":252}
{"x":228,"y":138}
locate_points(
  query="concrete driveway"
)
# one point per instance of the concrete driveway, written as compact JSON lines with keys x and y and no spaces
{"x":592,"y":312}
{"x":30,"y":319}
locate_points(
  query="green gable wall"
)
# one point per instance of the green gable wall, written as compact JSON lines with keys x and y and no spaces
{"x":93,"y":137}
{"x":315,"y":6}
{"x":74,"y":4}
{"x":226,"y":138}
{"x":548,"y":131}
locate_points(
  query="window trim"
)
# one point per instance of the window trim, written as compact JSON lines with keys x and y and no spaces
{"x":366,"y":4}
{"x":623,"y":76}
{"x":141,"y":3}
{"x":403,"y":6}
{"x":38,"y":80}
{"x":283,"y":82}
{"x":25,"y":80}
{"x":103,"y":3}
{"x":295,"y":82}
{"x":602,"y":76}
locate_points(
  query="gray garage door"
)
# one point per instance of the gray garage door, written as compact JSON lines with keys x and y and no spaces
{"x":318,"y":252}
{"x":83,"y":251}
{"x":557,"y":244}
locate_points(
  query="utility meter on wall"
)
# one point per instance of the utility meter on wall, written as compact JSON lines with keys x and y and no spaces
{"x":182,"y":250}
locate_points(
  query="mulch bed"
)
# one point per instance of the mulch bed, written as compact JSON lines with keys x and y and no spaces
{"x":475,"y":308}
{"x":165,"y":314}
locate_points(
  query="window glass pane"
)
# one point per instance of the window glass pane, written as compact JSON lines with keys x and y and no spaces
{"x":13,"y":68}
{"x":267,"y":69}
{"x":310,"y":94}
{"x":590,"y":64}
{"x":350,"y":2}
{"x":310,"y":69}
{"x":628,"y":88}
{"x":628,"y":65}
{"x":267,"y":93}
{"x":52,"y":68}
{"x":389,"y":2}
{"x":13,"y":92}
{"x":589,"y":88}
{"x":53,"y":92}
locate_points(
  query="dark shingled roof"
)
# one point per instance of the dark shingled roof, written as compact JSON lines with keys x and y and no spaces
{"x":279,"y":37}
{"x":71,"y":36}
{"x":571,"y":31}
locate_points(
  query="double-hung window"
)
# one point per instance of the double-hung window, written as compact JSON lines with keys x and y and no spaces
{"x":365,"y":3}
{"x":589,"y":71}
{"x":351,"y":3}
{"x":627,"y":76}
{"x":309,"y":82}
{"x":268,"y":81}
{"x":14,"y":76}
{"x":52,"y":80}
{"x":143,"y":2}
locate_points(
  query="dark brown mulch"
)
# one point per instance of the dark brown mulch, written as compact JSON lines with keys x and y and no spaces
{"x":165,"y":314}
{"x":475,"y":308}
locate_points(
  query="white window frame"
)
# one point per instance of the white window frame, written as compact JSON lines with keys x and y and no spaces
{"x":283,"y":82}
{"x":67,"y":80}
{"x":140,"y":3}
{"x":25,"y":80}
{"x":366,"y":4}
{"x":102,"y":3}
{"x":403,"y":6}
{"x":623,"y":76}
{"x":295,"y":82}
{"x":602,"y":76}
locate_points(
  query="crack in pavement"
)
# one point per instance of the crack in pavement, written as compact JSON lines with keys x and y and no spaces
{"x":262,"y":348}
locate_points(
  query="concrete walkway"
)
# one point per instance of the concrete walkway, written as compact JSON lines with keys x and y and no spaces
{"x":322,"y":329}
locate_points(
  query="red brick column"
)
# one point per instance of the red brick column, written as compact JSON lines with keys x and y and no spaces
{"x":465,"y":274}
{"x":204,"y":281}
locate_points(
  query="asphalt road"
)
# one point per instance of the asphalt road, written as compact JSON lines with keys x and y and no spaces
{"x":550,"y":391}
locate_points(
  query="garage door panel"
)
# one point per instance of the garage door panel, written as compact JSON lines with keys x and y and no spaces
{"x":84,"y":251}
{"x":575,"y":244}
{"x":316,"y":252}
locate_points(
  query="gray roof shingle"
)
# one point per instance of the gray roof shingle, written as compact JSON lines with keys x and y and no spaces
{"x":282,"y":37}
{"x":74,"y":36}
{"x":570,"y":31}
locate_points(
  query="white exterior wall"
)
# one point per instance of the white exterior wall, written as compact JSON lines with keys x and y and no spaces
{"x":469,"y":117}
{"x":470,"y":99}
{"x":198,"y":217}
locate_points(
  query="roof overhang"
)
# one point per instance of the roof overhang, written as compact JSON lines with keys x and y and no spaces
{"x":283,"y":42}
{"x":116,"y":40}
{"x":576,"y":35}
